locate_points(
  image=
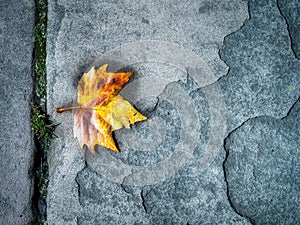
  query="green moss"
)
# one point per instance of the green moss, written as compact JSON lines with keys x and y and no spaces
{"x":43,"y":130}
{"x":40,"y":49}
{"x":41,"y":125}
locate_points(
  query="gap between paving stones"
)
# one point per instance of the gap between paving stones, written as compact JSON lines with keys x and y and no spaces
{"x":41,"y":124}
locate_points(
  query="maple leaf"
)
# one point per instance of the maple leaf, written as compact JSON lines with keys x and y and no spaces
{"x":100,"y":109}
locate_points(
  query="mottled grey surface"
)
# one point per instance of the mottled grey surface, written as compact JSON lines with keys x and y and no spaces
{"x":16,"y":148}
{"x":291,"y":11}
{"x":263,"y":169}
{"x":170,"y":169}
{"x":262,"y":173}
{"x":264,"y":73}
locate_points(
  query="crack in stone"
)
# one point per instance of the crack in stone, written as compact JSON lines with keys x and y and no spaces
{"x":219,"y":52}
{"x":232,"y":131}
{"x":225,"y":174}
{"x":291,"y":108}
{"x":124,"y":189}
{"x":227,"y":155}
{"x":124,"y":180}
{"x":78,"y":184}
{"x":288,"y":29}
{"x":143,"y":195}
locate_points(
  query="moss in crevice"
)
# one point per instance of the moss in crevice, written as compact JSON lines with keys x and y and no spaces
{"x":42,"y":127}
{"x":40,"y":53}
{"x":43,"y":134}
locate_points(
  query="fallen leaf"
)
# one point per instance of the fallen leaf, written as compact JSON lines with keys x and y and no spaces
{"x":100,"y":109}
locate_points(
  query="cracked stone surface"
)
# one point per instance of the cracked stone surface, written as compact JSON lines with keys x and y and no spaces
{"x":16,"y":147}
{"x":264,"y":73}
{"x":291,"y":11}
{"x":201,"y":69}
{"x":263,"y":168}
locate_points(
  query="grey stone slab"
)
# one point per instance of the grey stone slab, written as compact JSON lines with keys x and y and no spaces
{"x":263,"y":169}
{"x":264,"y":73}
{"x":173,"y":49}
{"x":170,"y":169}
{"x":16,"y":44}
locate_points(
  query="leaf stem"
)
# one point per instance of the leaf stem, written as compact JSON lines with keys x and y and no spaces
{"x":60,"y":110}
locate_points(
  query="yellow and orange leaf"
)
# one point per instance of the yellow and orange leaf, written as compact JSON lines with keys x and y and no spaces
{"x":100,"y":109}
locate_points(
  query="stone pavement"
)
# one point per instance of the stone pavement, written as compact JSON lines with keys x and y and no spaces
{"x":219,"y":82}
{"x":16,"y":44}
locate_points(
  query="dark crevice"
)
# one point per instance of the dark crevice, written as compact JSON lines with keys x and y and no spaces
{"x":291,"y":108}
{"x":79,"y":188}
{"x":40,"y":169}
{"x":288,"y":29}
{"x":124,"y":188}
{"x":143,"y":195}
{"x":41,"y":125}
